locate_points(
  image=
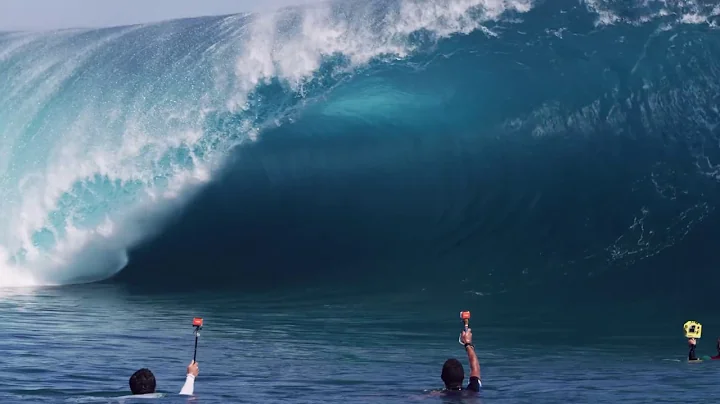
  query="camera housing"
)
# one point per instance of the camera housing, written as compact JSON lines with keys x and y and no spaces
{"x":693,"y":329}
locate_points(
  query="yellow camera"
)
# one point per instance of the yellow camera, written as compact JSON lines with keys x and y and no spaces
{"x":693,"y":329}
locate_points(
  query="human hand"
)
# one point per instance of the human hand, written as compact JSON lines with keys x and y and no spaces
{"x":193,"y":369}
{"x":692,"y":341}
{"x":466,"y":337}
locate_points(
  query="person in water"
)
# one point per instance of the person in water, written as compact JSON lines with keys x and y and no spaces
{"x":142,"y":382}
{"x":453,"y":373}
{"x":717,"y":347}
{"x":691,"y":345}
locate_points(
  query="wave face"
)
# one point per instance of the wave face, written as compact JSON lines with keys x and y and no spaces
{"x":495,"y":142}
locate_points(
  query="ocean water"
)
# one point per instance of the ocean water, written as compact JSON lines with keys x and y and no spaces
{"x":329,"y":185}
{"x":80,"y":345}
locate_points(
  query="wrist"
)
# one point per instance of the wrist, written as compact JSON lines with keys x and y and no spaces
{"x":469,"y":345}
{"x":190,"y":375}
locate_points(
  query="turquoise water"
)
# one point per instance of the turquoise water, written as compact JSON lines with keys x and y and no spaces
{"x":328,"y":186}
{"x":81,"y":344}
{"x":361,"y":139}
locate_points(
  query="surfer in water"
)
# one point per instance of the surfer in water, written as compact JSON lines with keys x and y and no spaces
{"x":453,"y":373}
{"x":142,"y":382}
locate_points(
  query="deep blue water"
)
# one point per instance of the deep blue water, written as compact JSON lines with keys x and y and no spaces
{"x":81,"y":344}
{"x":330,"y":185}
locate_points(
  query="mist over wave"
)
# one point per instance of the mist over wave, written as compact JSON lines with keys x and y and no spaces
{"x":491,"y":143}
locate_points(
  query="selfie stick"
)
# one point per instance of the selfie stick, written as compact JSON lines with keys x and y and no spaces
{"x":197,"y":323}
{"x":465,"y":317}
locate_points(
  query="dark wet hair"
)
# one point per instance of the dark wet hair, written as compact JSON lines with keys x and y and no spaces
{"x":142,"y":382}
{"x":452,"y":373}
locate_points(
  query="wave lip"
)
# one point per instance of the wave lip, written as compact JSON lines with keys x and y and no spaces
{"x":137,"y":113}
{"x":534,"y":159}
{"x":459,"y":141}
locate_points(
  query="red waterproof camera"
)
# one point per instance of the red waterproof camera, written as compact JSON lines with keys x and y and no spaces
{"x":197,"y":323}
{"x":465,"y":315}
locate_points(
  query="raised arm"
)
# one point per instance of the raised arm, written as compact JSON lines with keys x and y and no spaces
{"x":474,"y":363}
{"x":189,"y":387}
{"x":466,"y":338}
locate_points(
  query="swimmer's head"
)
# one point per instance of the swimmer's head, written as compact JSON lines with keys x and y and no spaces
{"x":453,"y":374}
{"x":142,"y":382}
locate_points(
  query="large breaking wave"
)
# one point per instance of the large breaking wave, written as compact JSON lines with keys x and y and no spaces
{"x":504,"y":140}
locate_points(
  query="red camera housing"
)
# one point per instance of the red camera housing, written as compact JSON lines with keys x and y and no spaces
{"x":197,"y":322}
